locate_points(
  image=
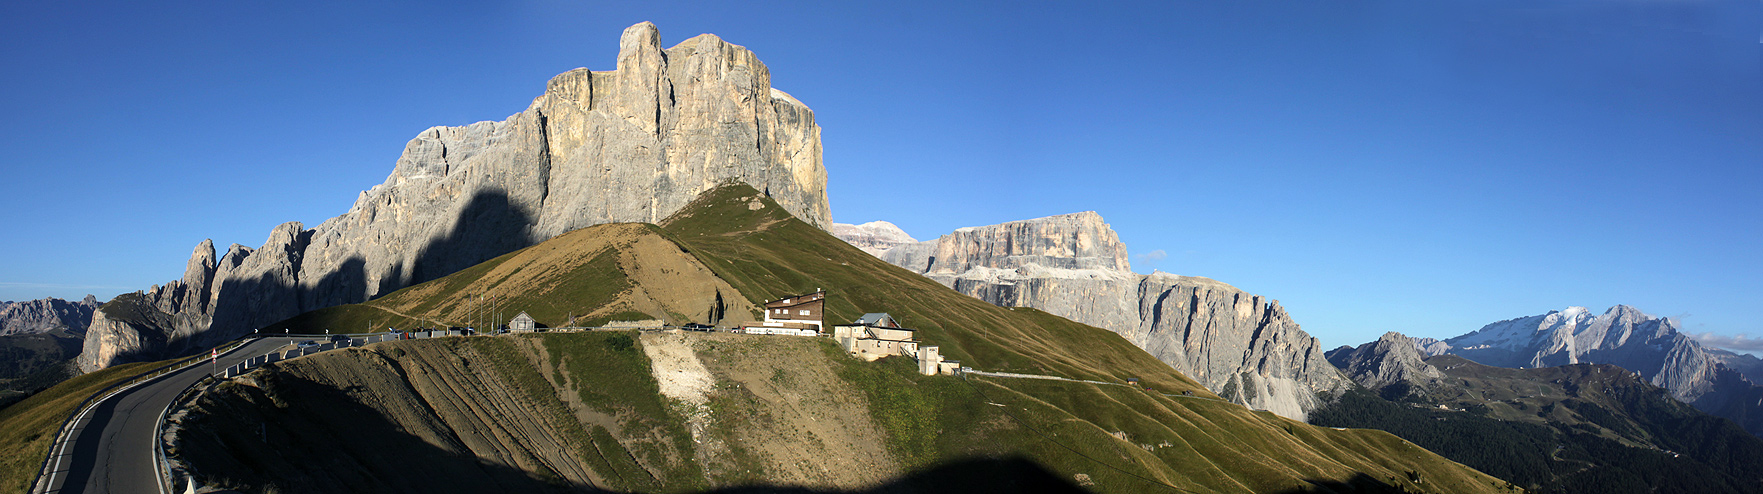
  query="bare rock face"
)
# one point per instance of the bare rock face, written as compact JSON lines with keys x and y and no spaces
{"x":629,"y":145}
{"x":46,"y":315}
{"x":1393,"y":366}
{"x":1242,"y":346}
{"x":874,"y":237}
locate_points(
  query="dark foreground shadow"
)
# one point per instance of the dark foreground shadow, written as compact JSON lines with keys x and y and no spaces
{"x":1359,"y":483}
{"x":978,"y":475}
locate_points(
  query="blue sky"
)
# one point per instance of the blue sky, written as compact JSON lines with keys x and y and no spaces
{"x":1424,"y":167}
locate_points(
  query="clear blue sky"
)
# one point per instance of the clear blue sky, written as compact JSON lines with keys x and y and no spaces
{"x":1424,"y":167}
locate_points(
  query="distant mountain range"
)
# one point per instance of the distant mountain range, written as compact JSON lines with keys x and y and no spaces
{"x":1579,"y":427}
{"x":1244,"y":347}
{"x":38,"y":342}
{"x":1713,"y":380}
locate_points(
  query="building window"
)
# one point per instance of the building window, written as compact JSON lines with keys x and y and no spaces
{"x":804,"y":312}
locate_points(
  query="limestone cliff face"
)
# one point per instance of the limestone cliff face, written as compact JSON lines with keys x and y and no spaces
{"x":1242,"y":346}
{"x":630,"y":145}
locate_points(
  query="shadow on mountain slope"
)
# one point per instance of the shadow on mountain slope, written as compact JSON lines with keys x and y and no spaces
{"x":489,"y":226}
{"x":254,"y":441}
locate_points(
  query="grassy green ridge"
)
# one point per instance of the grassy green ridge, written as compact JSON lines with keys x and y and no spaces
{"x":766,"y":254}
{"x":1214,"y":446}
{"x":473,"y":297}
{"x":27,"y":428}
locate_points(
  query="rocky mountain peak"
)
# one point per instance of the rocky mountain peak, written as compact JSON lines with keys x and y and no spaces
{"x":47,"y":315}
{"x":633,"y":144}
{"x":1713,"y":380}
{"x":1393,"y":366}
{"x":1068,"y":241}
{"x":874,"y":237}
{"x":1242,"y":346}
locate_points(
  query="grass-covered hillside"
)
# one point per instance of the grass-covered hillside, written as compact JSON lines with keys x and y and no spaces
{"x":1584,"y":428}
{"x":595,"y":274}
{"x":724,"y":410}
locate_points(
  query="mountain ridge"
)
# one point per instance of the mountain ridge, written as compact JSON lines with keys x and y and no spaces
{"x":632,"y":144}
{"x":1713,"y":380}
{"x":766,"y":397}
{"x":1582,"y":427}
{"x":1242,"y":346}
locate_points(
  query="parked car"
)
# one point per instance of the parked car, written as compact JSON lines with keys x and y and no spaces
{"x":340,"y":339}
{"x":306,"y":344}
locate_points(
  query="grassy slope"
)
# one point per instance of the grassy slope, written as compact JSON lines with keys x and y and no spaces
{"x":27,"y":428}
{"x":592,"y":274}
{"x":766,"y":253}
{"x":1119,"y":438}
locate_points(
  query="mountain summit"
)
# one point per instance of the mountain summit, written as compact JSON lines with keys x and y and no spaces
{"x":1244,"y":347}
{"x":1716,"y":381}
{"x":629,"y":145}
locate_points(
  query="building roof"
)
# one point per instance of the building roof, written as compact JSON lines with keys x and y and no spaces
{"x":873,"y":319}
{"x":797,"y":300}
{"x":522,"y":315}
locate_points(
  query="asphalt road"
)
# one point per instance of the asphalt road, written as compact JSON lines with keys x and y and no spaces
{"x":111,"y":450}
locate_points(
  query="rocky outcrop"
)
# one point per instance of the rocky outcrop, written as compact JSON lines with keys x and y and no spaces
{"x":1242,"y":346}
{"x":47,"y":315}
{"x":1711,"y":379}
{"x":630,"y":145}
{"x":1393,"y":366}
{"x":874,"y":237}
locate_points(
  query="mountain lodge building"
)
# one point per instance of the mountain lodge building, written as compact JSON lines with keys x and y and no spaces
{"x":795,"y":315}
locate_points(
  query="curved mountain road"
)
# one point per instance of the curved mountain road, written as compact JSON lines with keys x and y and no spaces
{"x":111,"y":447}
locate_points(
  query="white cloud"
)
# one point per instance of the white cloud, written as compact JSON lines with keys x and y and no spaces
{"x":1741,"y":342}
{"x":1154,"y":256}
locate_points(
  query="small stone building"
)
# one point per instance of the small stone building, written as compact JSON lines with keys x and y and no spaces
{"x":523,"y":323}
